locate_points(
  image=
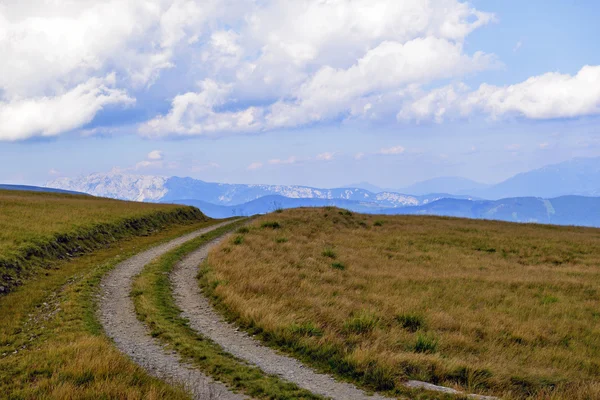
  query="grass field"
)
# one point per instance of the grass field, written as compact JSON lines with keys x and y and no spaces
{"x":488,"y":307}
{"x":51,"y":345}
{"x":36,"y":228}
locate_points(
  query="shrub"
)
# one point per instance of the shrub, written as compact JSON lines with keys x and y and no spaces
{"x":378,"y":223}
{"x":238,"y":239}
{"x":243,"y":229}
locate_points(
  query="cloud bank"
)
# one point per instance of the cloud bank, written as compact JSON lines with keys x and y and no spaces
{"x":253,"y":66}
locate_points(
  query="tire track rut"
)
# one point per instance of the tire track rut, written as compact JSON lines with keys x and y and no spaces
{"x":117,"y":315}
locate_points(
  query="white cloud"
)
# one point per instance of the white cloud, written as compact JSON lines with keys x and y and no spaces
{"x":155,"y":155}
{"x":291,"y":76}
{"x":518,"y":46}
{"x":205,"y":167}
{"x":327,"y":156}
{"x":359,"y":156}
{"x":49,"y":116}
{"x":54,"y":50}
{"x":548,"y":96}
{"x":253,"y":66}
{"x":254,"y":165}
{"x":392,"y":150}
{"x":287,"y":161}
{"x":53,"y":172}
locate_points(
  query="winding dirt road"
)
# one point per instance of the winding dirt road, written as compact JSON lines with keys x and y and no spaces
{"x":117,"y":314}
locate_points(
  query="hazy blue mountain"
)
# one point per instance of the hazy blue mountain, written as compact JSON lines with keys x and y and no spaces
{"x":28,"y":188}
{"x":269,"y":204}
{"x":451,"y":185}
{"x":367,"y":186}
{"x":162,"y":189}
{"x":580,"y":176}
{"x":565,"y":210}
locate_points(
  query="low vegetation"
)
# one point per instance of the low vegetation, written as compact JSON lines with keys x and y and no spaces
{"x":495,"y":308}
{"x":38,"y":228}
{"x":156,"y":307}
{"x":51,"y":345}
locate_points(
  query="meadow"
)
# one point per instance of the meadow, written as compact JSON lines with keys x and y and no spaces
{"x":510,"y":310}
{"x":36,"y":228}
{"x":51,"y":344}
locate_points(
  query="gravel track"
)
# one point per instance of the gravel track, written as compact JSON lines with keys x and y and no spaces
{"x":117,"y":314}
{"x":197,"y":309}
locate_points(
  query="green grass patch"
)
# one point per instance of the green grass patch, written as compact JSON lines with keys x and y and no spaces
{"x":426,"y":344}
{"x":338,"y":265}
{"x":362,"y":323}
{"x":271,"y":224}
{"x":329,"y":253}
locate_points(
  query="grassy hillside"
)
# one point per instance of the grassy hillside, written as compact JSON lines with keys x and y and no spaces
{"x":51,"y":344}
{"x":37,"y":228}
{"x":489,"y":307}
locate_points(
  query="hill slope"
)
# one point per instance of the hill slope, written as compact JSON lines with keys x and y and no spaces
{"x":502,"y":309}
{"x":36,"y":227}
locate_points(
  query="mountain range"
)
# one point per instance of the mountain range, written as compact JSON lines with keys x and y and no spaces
{"x":558,"y":194}
{"x":161,"y":189}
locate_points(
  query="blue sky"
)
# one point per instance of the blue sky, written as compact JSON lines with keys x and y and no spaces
{"x":297,"y":92}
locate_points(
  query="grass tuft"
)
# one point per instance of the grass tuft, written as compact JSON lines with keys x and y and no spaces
{"x":338,"y":265}
{"x":271,"y":224}
{"x":243,"y":230}
{"x":362,"y":323}
{"x":328,"y":252}
{"x":426,"y":344}
{"x":411,"y":322}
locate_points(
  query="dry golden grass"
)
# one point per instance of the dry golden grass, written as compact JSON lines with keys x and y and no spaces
{"x":489,"y":307}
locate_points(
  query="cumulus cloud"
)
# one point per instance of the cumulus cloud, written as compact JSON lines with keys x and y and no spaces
{"x":292,"y":76}
{"x":51,"y":115}
{"x":392,"y":150}
{"x":253,"y":66}
{"x":327,"y":156}
{"x":287,"y":161}
{"x":548,"y":96}
{"x":155,"y":155}
{"x":254,"y":165}
{"x":55,"y":56}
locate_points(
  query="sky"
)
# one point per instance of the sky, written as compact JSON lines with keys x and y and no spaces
{"x":313,"y":92}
